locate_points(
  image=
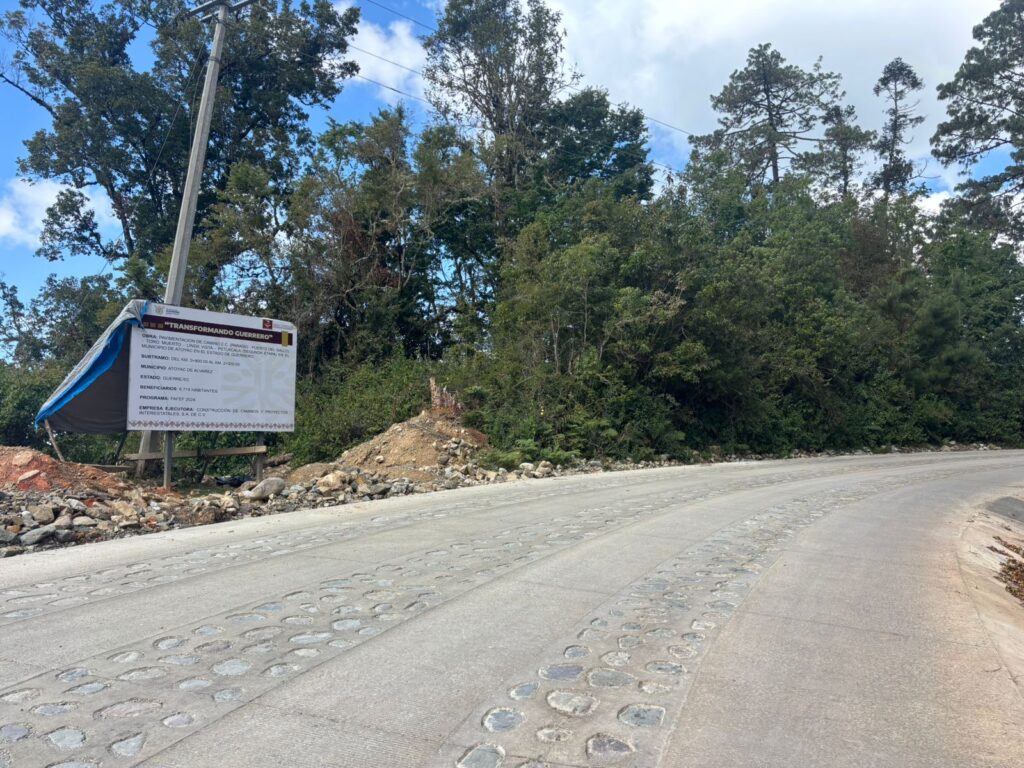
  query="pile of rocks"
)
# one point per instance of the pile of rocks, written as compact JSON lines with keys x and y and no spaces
{"x":33,"y":519}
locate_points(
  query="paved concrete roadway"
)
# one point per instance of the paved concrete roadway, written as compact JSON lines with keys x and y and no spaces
{"x":805,"y":613}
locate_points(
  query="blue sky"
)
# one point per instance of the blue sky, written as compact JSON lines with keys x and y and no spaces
{"x":665,"y":56}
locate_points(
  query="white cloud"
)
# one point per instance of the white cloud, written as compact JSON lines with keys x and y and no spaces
{"x":23,"y":205}
{"x":931,"y":204}
{"x":669,"y":56}
{"x":398,"y":42}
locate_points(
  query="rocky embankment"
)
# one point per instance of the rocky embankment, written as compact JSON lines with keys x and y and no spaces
{"x":45,"y":503}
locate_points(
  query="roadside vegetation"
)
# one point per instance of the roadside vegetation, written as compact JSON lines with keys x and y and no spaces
{"x":785,"y":290}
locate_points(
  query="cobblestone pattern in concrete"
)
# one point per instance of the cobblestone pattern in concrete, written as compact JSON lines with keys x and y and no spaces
{"x":123,"y":706}
{"x":609,"y":693}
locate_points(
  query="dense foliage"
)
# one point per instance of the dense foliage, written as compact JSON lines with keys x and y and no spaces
{"x":785,"y":290}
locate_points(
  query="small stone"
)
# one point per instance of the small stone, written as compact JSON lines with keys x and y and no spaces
{"x":232,"y":667}
{"x":194,"y":684}
{"x":605,"y":748}
{"x":651,"y":688}
{"x":271,"y":486}
{"x":503,"y":719}
{"x":41,"y":513}
{"x":75,"y":505}
{"x":561,"y":672}
{"x":66,"y":738}
{"x":482,"y":756}
{"x":551,"y":734}
{"x":570,"y":703}
{"x":332,"y":481}
{"x":53,"y":709}
{"x":523,"y":691}
{"x":609,"y":678}
{"x":12,"y":732}
{"x":129,"y":708}
{"x":129,"y":747}
{"x":642,"y":715}
{"x":665,"y":668}
{"x":89,"y":689}
{"x":143,"y":673}
{"x":83,"y":521}
{"x":179,"y":720}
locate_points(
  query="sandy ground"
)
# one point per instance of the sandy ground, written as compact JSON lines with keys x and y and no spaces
{"x":1001,"y":613}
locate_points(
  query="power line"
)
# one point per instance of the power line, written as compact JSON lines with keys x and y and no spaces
{"x":389,"y":61}
{"x":399,"y":13}
{"x":647,"y":117}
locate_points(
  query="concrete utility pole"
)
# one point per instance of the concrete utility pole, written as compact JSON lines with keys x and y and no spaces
{"x":190,"y":196}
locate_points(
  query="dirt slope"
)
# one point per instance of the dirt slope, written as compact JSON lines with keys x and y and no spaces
{"x":416,"y":449}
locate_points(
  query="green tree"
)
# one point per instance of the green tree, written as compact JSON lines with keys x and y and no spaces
{"x":898,"y":84}
{"x":985,"y":101}
{"x":768,"y":109}
{"x":584,"y":137}
{"x":497,"y":65}
{"x":839,"y":156}
{"x":127,"y":131}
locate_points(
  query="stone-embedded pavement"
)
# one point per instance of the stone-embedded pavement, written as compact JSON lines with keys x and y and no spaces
{"x":801,"y":613}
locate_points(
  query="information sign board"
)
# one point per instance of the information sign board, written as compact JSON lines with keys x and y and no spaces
{"x":193,"y":370}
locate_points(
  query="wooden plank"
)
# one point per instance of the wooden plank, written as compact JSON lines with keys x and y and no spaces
{"x":250,"y":450}
{"x":112,"y":468}
{"x":159,"y":455}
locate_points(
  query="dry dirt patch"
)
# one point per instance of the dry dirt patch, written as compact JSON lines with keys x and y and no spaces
{"x":23,"y":469}
{"x":992,"y":563}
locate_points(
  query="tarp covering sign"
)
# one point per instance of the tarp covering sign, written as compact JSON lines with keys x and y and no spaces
{"x":92,"y":398}
{"x":160,"y":367}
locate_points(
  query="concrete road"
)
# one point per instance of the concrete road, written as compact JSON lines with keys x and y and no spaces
{"x":800,"y":613}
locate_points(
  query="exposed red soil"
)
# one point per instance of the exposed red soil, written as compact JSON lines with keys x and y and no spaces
{"x":24,"y":469}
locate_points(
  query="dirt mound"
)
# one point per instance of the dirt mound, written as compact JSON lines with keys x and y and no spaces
{"x":24,"y":469}
{"x":416,"y":449}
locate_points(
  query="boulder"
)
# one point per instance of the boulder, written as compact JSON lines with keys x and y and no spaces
{"x":37,"y":535}
{"x":332,"y":481}
{"x":41,"y":513}
{"x":272,"y":486}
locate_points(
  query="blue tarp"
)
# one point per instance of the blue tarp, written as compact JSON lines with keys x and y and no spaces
{"x":93,"y":398}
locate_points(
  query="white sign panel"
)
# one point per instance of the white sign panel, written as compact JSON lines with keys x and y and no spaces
{"x":192,"y":370}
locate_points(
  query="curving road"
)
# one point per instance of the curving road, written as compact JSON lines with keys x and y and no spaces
{"x":799,"y":613}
